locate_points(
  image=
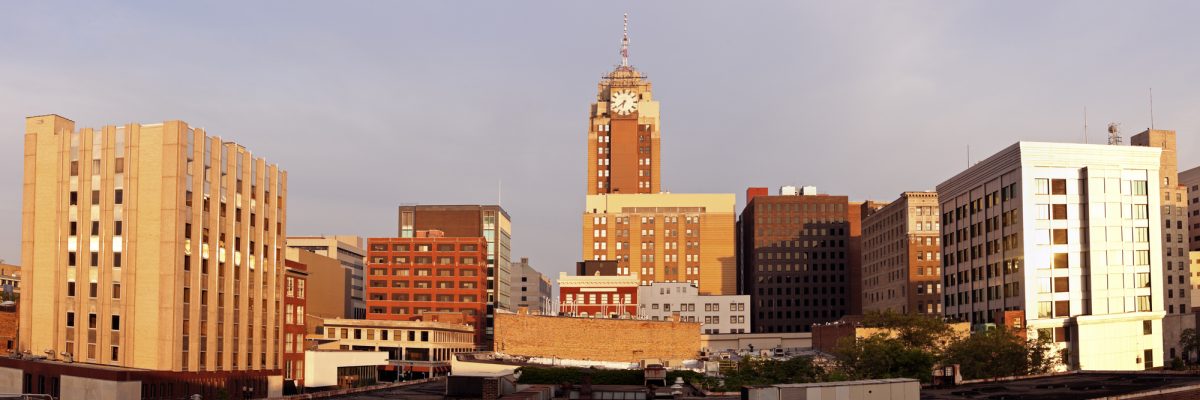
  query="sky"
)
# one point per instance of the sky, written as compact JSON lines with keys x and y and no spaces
{"x":373,"y":104}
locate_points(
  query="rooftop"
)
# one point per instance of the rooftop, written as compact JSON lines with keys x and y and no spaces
{"x":1077,"y":385}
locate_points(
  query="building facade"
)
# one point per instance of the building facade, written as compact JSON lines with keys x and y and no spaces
{"x":294,"y":302}
{"x":797,"y":259}
{"x":1174,"y":240}
{"x":152,"y":246}
{"x":532,"y":289}
{"x":717,"y":314}
{"x":596,"y":296}
{"x":665,"y":237}
{"x":328,"y":285}
{"x":9,"y":325}
{"x":10,"y":281}
{"x":1066,"y":234}
{"x":471,"y":221}
{"x":348,"y":251}
{"x":1190,"y":179}
{"x":426,"y":273}
{"x":623,"y":134}
{"x":424,"y":348}
{"x":902,"y":257}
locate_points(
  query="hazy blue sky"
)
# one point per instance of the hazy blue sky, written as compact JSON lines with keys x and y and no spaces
{"x":372,"y":104}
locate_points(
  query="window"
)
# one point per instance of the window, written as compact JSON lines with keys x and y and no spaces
{"x":1141,"y":257}
{"x":1143,"y":280}
{"x":71,"y":319}
{"x":1061,"y":260}
{"x":1143,"y":303}
{"x":116,"y":322}
{"x":1058,"y":186}
{"x":1062,"y":308}
{"x":1043,"y":186}
{"x":1059,"y":236}
{"x":1062,"y":285}
{"x":1139,"y":188}
{"x":1059,"y":211}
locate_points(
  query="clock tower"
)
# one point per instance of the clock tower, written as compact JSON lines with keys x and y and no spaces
{"x":623,"y":132}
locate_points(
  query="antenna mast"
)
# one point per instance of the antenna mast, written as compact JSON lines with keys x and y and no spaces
{"x":1114,"y":133}
{"x":625,"y":44}
{"x":1151,"y":108}
{"x":1084,"y":124}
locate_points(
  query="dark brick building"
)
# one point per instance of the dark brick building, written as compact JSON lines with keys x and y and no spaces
{"x":800,"y":259}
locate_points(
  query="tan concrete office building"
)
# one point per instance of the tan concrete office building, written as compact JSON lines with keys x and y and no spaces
{"x":153,"y":246}
{"x":1174,"y":239}
{"x":349,"y":251}
{"x":665,"y":237}
{"x":1190,"y":179}
{"x":902,"y":257}
{"x":532,"y":289}
{"x":1066,"y":234}
{"x":328,"y":287}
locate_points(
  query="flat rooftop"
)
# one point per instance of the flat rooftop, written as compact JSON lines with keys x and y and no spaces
{"x":1080,"y":385}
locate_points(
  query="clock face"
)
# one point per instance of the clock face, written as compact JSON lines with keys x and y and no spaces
{"x":624,"y":102}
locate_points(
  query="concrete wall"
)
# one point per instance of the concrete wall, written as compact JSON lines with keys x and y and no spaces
{"x":76,"y":388}
{"x":596,"y":339}
{"x":10,"y":380}
{"x":883,"y":389}
{"x":320,"y":367}
{"x":792,"y":340}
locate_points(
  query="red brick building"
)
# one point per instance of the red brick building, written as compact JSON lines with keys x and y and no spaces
{"x":296,"y":276}
{"x":8,"y":328}
{"x":429,"y":273}
{"x":598,"y":296}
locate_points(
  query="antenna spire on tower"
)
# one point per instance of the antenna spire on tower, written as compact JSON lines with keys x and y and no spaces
{"x":625,"y":44}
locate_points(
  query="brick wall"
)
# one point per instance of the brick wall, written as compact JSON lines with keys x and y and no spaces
{"x":596,"y":339}
{"x":8,"y":330}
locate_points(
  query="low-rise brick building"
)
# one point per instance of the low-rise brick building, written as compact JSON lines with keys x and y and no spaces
{"x":294,"y":302}
{"x":598,"y":296}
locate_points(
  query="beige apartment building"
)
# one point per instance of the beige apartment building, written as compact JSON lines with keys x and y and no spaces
{"x":1062,"y":240}
{"x":1190,"y":179}
{"x":349,"y":252}
{"x":665,"y":237}
{"x":152,"y":246}
{"x":1177,"y":287}
{"x":902,"y":257}
{"x":328,"y":287}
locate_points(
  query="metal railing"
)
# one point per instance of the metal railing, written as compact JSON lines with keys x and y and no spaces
{"x":12,"y":396}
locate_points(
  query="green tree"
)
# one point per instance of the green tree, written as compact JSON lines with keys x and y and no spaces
{"x":922,"y":331}
{"x":1189,"y":342}
{"x":767,"y":371}
{"x":1000,"y":352}
{"x":880,"y":356}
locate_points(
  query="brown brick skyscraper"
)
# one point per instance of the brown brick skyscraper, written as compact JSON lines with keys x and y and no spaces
{"x":798,"y":259}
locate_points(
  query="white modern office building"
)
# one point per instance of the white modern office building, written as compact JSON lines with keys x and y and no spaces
{"x":718,"y":313}
{"x":1066,"y":234}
